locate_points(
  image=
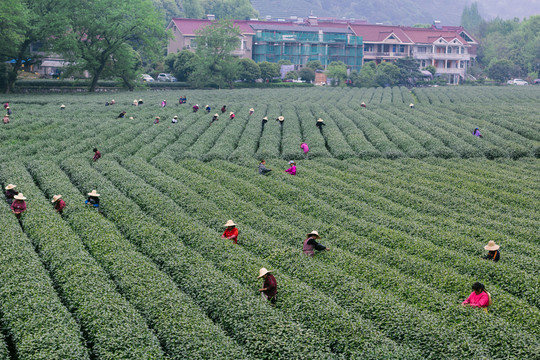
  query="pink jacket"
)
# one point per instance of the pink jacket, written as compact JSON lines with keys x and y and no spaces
{"x":305,"y":148}
{"x":480,"y":300}
{"x":291,"y":170}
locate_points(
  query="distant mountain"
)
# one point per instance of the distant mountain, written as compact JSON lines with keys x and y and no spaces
{"x":402,"y":12}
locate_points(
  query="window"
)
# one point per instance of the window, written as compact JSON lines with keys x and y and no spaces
{"x":368,"y":48}
{"x":421,"y":49}
{"x":401,"y":48}
{"x":450,"y":50}
{"x":193,"y":43}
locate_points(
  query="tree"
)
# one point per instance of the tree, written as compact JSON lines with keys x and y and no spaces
{"x":269,"y":70}
{"x":184,"y":65}
{"x":408,"y":71}
{"x":229,"y":9}
{"x":249,"y":70}
{"x":337,"y":71}
{"x":315,"y":65}
{"x":471,"y":19}
{"x":366,"y":77}
{"x":291,"y":75}
{"x":102,"y":30}
{"x":215,"y":44}
{"x":193,"y":9}
{"x":284,"y":62}
{"x":387,"y":74}
{"x":125,"y":66}
{"x":432,"y":69}
{"x":500,"y":70}
{"x":307,"y":74}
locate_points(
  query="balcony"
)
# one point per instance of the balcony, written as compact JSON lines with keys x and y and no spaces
{"x":451,"y":71}
{"x":450,"y":56}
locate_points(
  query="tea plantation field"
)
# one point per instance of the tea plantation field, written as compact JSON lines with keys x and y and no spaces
{"x":405,"y":199}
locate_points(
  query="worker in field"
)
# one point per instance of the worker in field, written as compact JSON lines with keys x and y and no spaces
{"x":5,"y":120}
{"x":477,"y":133}
{"x":292,"y":168}
{"x":107,"y":103}
{"x":135,"y":102}
{"x":311,"y":244}
{"x":195,"y":108}
{"x":208,"y":109}
{"x":97,"y":154}
{"x":479,"y":297}
{"x":231,"y":232}
{"x":320,"y":123}
{"x":223,"y":109}
{"x":140,"y":102}
{"x":269,"y":289}
{"x":6,"y":105}
{"x":264,"y":121}
{"x":231,"y":115}
{"x":93,"y":199}
{"x":164,"y":103}
{"x":131,"y":118}
{"x":112,"y":102}
{"x":493,"y":251}
{"x":122,"y":115}
{"x":10,"y":193}
{"x":182,"y":100}
{"x":305,"y":148}
{"x":156,"y":120}
{"x":59,"y":204}
{"x":174,"y":119}
{"x":280,"y":120}
{"x":214,"y":118}
{"x":18,"y":206}
{"x":263,"y":170}
{"x":62,"y":107}
{"x":411,"y":105}
{"x":251,"y":111}
{"x":9,"y":112}
{"x":363,"y":104}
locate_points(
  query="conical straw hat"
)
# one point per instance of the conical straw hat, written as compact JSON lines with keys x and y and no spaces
{"x":10,"y":186}
{"x":55,"y":198}
{"x":491,"y":246}
{"x":263,"y":272}
{"x":19,"y":196}
{"x":230,"y":223}
{"x":93,"y":193}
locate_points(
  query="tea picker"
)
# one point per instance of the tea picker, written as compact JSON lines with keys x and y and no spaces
{"x":231,"y":232}
{"x":311,"y":244}
{"x":269,"y":289}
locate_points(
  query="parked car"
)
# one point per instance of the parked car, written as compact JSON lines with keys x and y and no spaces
{"x":146,"y":77}
{"x":537,"y":81}
{"x":166,"y":77}
{"x":517,"y":82}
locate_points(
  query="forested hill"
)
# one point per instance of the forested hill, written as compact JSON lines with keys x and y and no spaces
{"x":406,"y":12}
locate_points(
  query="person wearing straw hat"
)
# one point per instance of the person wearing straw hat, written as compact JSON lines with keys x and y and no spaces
{"x":9,"y":111}
{"x":231,"y":232}
{"x":280,"y":120}
{"x":363,"y":104}
{"x":112,"y":102}
{"x":269,"y":289}
{"x":97,"y":154}
{"x":251,"y":111}
{"x":208,"y":109}
{"x":479,"y":297}
{"x":175,"y":119}
{"x":231,"y":115}
{"x":292,"y":169}
{"x":6,"y":105}
{"x":122,"y":115}
{"x":164,"y":103}
{"x":263,"y":170}
{"x":62,"y":107}
{"x":195,"y":108}
{"x":10,"y":193}
{"x":59,"y":204}
{"x":264,"y":121}
{"x":135,"y":102}
{"x":493,"y":251}
{"x":93,"y":199}
{"x":223,"y":109}
{"x":18,"y":206}
{"x":320,"y":123}
{"x":311,"y":244}
{"x":140,"y":102}
{"x":411,"y":105}
{"x":156,"y":120}
{"x":215,"y":118}
{"x":5,"y":120}
{"x":131,"y":118}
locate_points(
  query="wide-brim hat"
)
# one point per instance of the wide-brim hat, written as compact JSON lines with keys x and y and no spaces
{"x":229,"y":223}
{"x":491,"y":246}
{"x":140,"y":99}
{"x":216,"y":115}
{"x":231,"y":113}
{"x":93,"y":193}
{"x":291,"y":162}
{"x":252,"y":109}
{"x":112,"y":100}
{"x":62,"y":106}
{"x":131,"y":118}
{"x":207,"y":106}
{"x":157,"y":118}
{"x":281,"y":118}
{"x":320,"y":120}
{"x":313,"y":233}
{"x":135,"y":101}
{"x":197,"y":105}
{"x":10,"y":186}
{"x":263,"y":272}
{"x":411,"y":104}
{"x":55,"y":198}
{"x":265,"y":118}
{"x":175,"y":117}
{"x":19,"y":196}
{"x":7,"y":107}
{"x":7,"y":115}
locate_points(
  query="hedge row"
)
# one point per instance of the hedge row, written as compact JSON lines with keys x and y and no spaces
{"x":112,"y":325}
{"x":244,"y":316}
{"x":33,"y":315}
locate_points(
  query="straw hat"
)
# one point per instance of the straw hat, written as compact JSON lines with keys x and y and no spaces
{"x":229,"y":223}
{"x":135,"y":101}
{"x":411,"y":104}
{"x":320,"y":120}
{"x":62,"y":106}
{"x":363,"y":103}
{"x":491,"y":246}
{"x":265,"y":118}
{"x":252,"y":109}
{"x":281,"y":118}
{"x":291,"y":162}
{"x":7,"y":107}
{"x":313,"y":233}
{"x":157,"y":117}
{"x":263,"y":272}
{"x":197,"y":105}
{"x":231,"y":113}
{"x":207,"y":106}
{"x":175,"y":117}
{"x":10,"y":186}
{"x":55,"y":198}
{"x":131,"y":118}
{"x":165,"y":100}
{"x":19,"y":196}
{"x":93,"y":193}
{"x":140,"y":99}
{"x":216,"y":115}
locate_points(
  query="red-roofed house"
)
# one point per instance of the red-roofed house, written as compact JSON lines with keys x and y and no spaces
{"x":383,"y":42}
